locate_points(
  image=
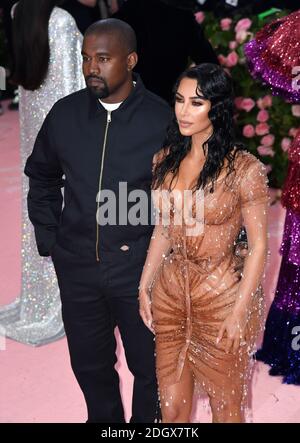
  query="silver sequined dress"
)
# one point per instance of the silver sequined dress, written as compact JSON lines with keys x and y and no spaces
{"x":35,"y":316}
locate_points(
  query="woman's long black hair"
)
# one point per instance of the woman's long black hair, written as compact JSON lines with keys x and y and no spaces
{"x":215,"y":85}
{"x":31,"y":43}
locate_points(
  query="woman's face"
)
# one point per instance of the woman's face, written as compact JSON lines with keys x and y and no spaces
{"x":191,"y":111}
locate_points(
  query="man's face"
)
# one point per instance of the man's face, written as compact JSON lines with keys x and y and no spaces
{"x":105,"y":65}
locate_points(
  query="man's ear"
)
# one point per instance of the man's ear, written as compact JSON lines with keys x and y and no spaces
{"x":132,"y":60}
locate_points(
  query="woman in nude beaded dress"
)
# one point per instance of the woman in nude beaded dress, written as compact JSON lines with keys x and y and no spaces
{"x":205,"y":319}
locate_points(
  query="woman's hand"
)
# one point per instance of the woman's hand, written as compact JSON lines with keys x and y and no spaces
{"x":145,"y":309}
{"x":233,"y":328}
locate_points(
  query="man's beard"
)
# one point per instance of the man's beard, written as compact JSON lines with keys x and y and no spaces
{"x":98,"y":92}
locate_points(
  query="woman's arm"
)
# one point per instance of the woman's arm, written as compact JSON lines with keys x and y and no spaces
{"x":113,"y":6}
{"x":254,"y":201}
{"x":159,"y":248}
{"x":255,"y":220}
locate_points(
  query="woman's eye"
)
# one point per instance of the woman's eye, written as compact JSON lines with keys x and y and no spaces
{"x":178,"y":99}
{"x":197,"y":104}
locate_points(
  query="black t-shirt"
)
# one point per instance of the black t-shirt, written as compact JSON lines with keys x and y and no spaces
{"x":83,"y":15}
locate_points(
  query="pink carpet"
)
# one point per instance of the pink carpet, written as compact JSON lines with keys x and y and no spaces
{"x":37,"y":384}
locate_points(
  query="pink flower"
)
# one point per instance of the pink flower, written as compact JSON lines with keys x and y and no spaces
{"x":225,"y":24}
{"x":285,"y":143}
{"x":241,"y":36}
{"x":233,"y":45}
{"x":222,"y":59}
{"x":293,"y":132}
{"x":267,"y":101}
{"x":259,"y":103}
{"x":248,"y":131}
{"x":268,"y":140}
{"x":264,"y":102}
{"x":265,"y":150}
{"x":296,"y":110}
{"x":238,"y":102}
{"x":243,"y":25}
{"x":232,"y":59}
{"x":262,"y":116}
{"x":200,"y":17}
{"x":262,"y":129}
{"x":247,"y":104}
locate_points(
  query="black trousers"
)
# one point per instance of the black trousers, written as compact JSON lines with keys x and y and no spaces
{"x":96,"y":297}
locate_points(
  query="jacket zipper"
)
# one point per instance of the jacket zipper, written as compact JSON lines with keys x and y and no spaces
{"x":100,"y":180}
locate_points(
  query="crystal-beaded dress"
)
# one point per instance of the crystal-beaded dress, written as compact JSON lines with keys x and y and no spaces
{"x":195,"y":288}
{"x":35,"y":316}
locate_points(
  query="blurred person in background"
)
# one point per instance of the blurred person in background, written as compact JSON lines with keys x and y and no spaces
{"x":11,"y":91}
{"x":85,"y":12}
{"x":272,"y":57}
{"x":169,"y":39}
{"x":47,"y":67}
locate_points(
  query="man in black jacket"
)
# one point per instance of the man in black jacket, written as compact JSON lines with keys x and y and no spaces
{"x":99,"y":138}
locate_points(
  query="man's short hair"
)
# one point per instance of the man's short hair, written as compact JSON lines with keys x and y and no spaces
{"x":122,"y":30}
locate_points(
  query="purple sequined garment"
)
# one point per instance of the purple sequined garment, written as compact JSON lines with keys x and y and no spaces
{"x":274,"y":56}
{"x":288,"y":292}
{"x":259,"y":69}
{"x":281,"y":341}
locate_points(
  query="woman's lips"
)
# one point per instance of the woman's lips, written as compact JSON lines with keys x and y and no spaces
{"x":184,"y":124}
